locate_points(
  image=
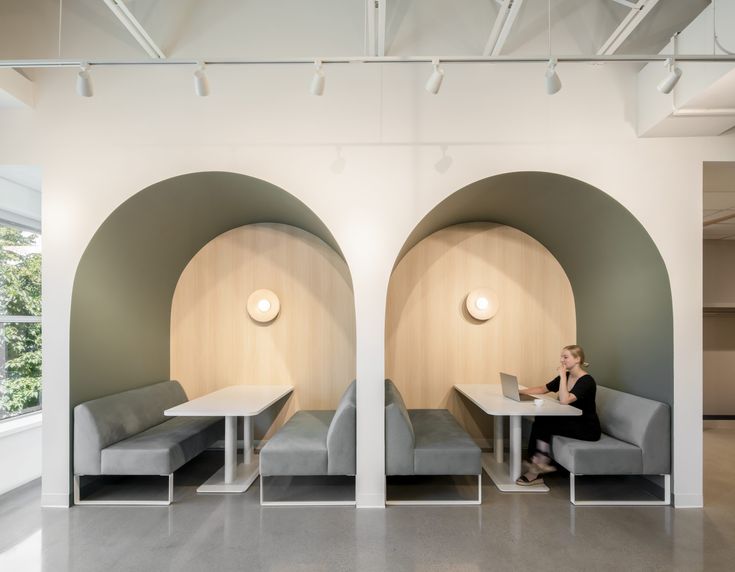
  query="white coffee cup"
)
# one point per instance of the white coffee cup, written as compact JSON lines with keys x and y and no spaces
{"x":538,"y":402}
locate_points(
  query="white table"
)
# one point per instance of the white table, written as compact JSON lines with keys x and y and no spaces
{"x":232,"y":402}
{"x":490,"y":399}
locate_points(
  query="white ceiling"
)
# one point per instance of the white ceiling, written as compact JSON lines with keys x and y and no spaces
{"x":719,"y":199}
{"x":294,"y":28}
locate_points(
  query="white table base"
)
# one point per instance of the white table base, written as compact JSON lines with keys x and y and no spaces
{"x":245,"y":476}
{"x":234,"y":477}
{"x":503,"y":474}
{"x":500,"y":475}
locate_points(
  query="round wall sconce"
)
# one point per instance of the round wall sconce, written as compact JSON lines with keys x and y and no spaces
{"x":482,"y":304}
{"x":263,"y":306}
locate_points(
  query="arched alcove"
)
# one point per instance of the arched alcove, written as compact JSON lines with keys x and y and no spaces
{"x":620,"y":283}
{"x":433,"y":342}
{"x":310,"y":345}
{"x":126,"y":278}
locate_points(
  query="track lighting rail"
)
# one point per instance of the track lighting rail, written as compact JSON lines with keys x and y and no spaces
{"x":57,"y":63}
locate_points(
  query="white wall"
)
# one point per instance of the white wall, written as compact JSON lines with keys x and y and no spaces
{"x":20,"y":450}
{"x":261,"y":122}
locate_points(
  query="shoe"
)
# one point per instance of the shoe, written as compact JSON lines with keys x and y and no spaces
{"x":524,"y":482}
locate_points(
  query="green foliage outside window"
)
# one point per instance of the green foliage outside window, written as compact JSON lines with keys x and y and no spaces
{"x":20,"y":295}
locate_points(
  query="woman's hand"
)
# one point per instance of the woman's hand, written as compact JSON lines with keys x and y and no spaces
{"x":563,"y":388}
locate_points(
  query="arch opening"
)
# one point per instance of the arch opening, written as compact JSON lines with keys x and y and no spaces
{"x":621,"y":288}
{"x":125,"y":282}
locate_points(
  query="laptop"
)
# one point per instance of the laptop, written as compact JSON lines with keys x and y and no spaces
{"x":510,"y":388}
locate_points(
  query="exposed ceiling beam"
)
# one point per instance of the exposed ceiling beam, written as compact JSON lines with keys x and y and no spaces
{"x":16,"y":90}
{"x":631,"y":21}
{"x":375,"y":27}
{"x":382,"y":8}
{"x":719,"y":219}
{"x":371,"y":45}
{"x":507,"y":16}
{"x":121,"y":11}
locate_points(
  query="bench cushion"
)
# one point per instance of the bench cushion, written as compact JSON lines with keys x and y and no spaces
{"x":299,"y":447}
{"x":608,"y":456}
{"x":442,"y":446}
{"x":162,"y":449}
{"x":108,"y":420}
{"x":341,"y":437}
{"x":639,"y":421}
{"x":399,"y":434}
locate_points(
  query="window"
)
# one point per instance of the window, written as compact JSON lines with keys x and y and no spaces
{"x":20,"y":321}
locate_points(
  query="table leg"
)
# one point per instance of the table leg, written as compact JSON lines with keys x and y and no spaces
{"x":515,"y":447}
{"x":498,"y":434}
{"x":234,"y":477}
{"x":248,"y":441}
{"x":504,"y":475}
{"x":230,"y":449}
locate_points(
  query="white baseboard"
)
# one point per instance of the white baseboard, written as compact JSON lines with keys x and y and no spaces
{"x":688,"y":501}
{"x":18,"y":485}
{"x":370,"y":501}
{"x":719,"y":423}
{"x":55,"y":500}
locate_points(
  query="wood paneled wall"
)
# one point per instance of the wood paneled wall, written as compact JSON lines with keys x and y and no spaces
{"x":310,"y":345}
{"x":432,"y":342}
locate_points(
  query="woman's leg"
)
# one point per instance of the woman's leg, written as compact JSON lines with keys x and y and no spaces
{"x":538,"y":449}
{"x":541,"y":432}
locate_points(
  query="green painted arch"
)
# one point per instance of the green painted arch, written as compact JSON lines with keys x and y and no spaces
{"x":125,"y":280}
{"x":621,"y":286}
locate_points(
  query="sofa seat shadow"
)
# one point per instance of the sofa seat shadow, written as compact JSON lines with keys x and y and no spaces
{"x":127,"y":434}
{"x":317,"y":444}
{"x":427,"y":442}
{"x":636,"y":440}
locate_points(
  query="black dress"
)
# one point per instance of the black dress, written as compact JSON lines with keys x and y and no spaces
{"x":585,"y":427}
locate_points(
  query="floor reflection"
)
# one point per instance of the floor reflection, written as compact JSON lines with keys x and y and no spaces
{"x":508,"y":532}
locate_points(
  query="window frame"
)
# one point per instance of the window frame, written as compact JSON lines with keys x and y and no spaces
{"x":23,"y":319}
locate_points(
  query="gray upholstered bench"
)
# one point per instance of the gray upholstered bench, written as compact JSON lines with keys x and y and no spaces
{"x":313,"y":443}
{"x":636,"y":440}
{"x":127,"y":434}
{"x":427,"y":442}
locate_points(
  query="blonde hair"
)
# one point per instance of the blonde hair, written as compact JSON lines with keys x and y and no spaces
{"x":577,"y":352}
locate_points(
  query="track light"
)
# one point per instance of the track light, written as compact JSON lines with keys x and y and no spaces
{"x":435,"y":80}
{"x":553,"y":83}
{"x":671,"y":79}
{"x":317,"y":82}
{"x":201,"y":83}
{"x":84,"y":82}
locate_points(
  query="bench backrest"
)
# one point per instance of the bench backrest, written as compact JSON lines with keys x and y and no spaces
{"x":102,"y":422}
{"x":342,"y":435}
{"x":399,"y":436}
{"x":640,"y":421}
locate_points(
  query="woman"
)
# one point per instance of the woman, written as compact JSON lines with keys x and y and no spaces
{"x":576,"y":388}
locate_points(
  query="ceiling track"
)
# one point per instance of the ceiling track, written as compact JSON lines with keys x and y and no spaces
{"x":52,"y":63}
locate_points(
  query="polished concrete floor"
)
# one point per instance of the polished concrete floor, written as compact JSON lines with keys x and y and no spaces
{"x":508,"y":532}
